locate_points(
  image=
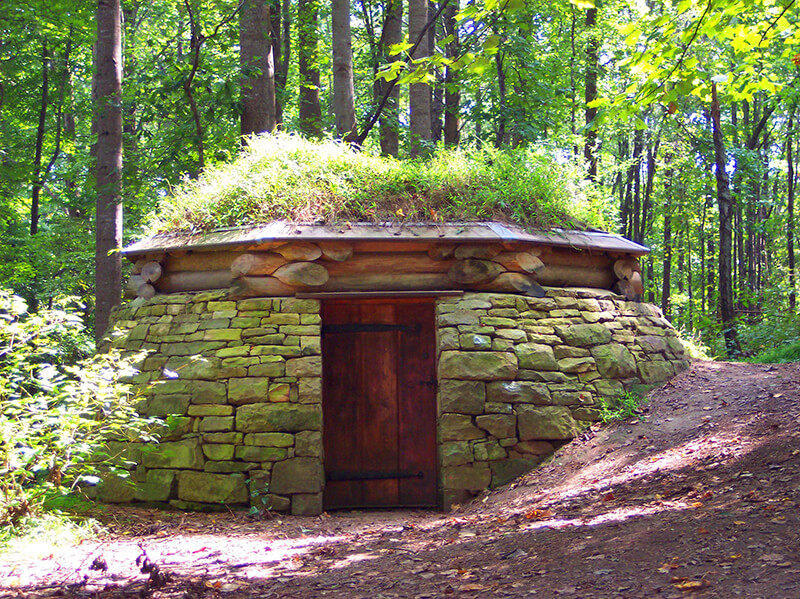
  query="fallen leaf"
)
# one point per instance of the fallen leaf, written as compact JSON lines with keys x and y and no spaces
{"x":669,"y":566}
{"x":609,"y":497}
{"x":538,"y":514}
{"x":691,"y":585}
{"x":473,"y":586}
{"x":703,"y":531}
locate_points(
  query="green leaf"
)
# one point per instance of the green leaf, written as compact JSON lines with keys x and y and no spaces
{"x":480,"y":65}
{"x":492,"y":41}
{"x":394,"y":49}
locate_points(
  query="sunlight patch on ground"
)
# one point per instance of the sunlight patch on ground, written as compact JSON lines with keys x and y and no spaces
{"x":609,"y":517}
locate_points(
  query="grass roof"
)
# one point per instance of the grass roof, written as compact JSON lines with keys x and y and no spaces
{"x":288,"y":177}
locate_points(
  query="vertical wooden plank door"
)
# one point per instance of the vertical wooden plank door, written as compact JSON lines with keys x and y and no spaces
{"x":379,"y":403}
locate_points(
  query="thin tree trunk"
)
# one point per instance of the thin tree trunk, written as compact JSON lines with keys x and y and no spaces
{"x":343,"y":92}
{"x":108,"y":231}
{"x":500,"y":134}
{"x":590,"y":92}
{"x":258,"y":68}
{"x":391,"y":35}
{"x":573,"y":118}
{"x":666,"y":283}
{"x":310,"y":112}
{"x":437,"y":91}
{"x":278,"y":58}
{"x":452,"y":92}
{"x":790,"y":188}
{"x":419,"y":95}
{"x":724,"y":204}
{"x":195,"y":47}
{"x":638,"y":146}
{"x":652,"y":153}
{"x":37,"y":158}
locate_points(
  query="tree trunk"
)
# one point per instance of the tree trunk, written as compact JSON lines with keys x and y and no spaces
{"x":389,"y":122}
{"x":437,"y":99}
{"x":276,"y":26}
{"x":652,"y":153}
{"x":343,"y":100}
{"x":590,"y":92}
{"x":452,"y":92}
{"x":667,"y":265}
{"x":724,"y":204}
{"x":790,"y":188}
{"x":310,"y":112}
{"x":37,"y":158}
{"x":108,"y":232}
{"x":638,"y":146}
{"x":419,"y":95}
{"x":500,"y":133}
{"x":258,"y":68}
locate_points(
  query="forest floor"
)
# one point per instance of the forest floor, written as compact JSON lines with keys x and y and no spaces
{"x":701,"y":498}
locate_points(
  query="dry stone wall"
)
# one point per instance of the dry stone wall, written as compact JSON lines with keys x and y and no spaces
{"x":239,"y":385}
{"x":518,"y":376}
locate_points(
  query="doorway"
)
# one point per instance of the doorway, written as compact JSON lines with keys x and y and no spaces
{"x":379,"y":403}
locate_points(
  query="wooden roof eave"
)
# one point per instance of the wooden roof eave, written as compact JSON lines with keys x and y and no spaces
{"x":282,"y":231}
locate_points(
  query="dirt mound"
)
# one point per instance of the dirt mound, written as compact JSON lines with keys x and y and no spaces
{"x":701,"y":497}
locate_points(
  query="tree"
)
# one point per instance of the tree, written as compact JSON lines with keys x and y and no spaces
{"x":452,"y":93}
{"x":310,"y":112}
{"x":419,"y":94}
{"x":590,"y":92}
{"x":724,"y":204}
{"x":259,"y":114}
{"x":343,"y":94}
{"x":108,"y":169}
{"x":391,"y":35}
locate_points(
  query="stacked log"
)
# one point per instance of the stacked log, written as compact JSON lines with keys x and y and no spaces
{"x":286,"y":268}
{"x":629,"y":275}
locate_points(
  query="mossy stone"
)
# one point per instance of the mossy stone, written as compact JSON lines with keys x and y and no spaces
{"x":614,"y":361}
{"x":207,"y":487}
{"x":266,"y":418}
{"x":545,"y":423}
{"x":297,"y":475}
{"x":462,"y":397}
{"x":536,"y":356}
{"x":583,"y":335}
{"x":478,"y":365}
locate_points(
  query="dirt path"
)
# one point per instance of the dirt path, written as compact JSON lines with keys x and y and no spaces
{"x":700,"y":499}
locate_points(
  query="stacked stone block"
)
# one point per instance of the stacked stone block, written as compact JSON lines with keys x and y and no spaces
{"x":519,"y":376}
{"x":238,"y":384}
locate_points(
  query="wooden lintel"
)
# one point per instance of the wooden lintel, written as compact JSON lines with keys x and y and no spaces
{"x":369,"y":294}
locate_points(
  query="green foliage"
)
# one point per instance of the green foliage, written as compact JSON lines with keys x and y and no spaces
{"x":622,"y":407}
{"x":59,"y":407}
{"x":772,"y":341}
{"x":788,"y":351}
{"x":288,"y":177}
{"x":38,"y":536}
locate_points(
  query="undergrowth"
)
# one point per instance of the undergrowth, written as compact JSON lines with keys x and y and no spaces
{"x":284,"y":176}
{"x":622,"y":407}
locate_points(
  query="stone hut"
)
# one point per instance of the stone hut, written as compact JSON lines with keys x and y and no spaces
{"x":305,"y":368}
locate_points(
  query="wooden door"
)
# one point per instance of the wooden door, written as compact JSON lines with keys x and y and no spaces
{"x":379,"y":403}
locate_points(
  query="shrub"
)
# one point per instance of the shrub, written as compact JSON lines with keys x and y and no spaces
{"x":59,"y":406}
{"x":624,"y":406}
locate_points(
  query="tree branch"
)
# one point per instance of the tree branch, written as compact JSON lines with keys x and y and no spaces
{"x":387,"y":92}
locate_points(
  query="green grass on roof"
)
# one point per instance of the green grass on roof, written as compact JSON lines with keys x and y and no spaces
{"x":287,"y":177}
